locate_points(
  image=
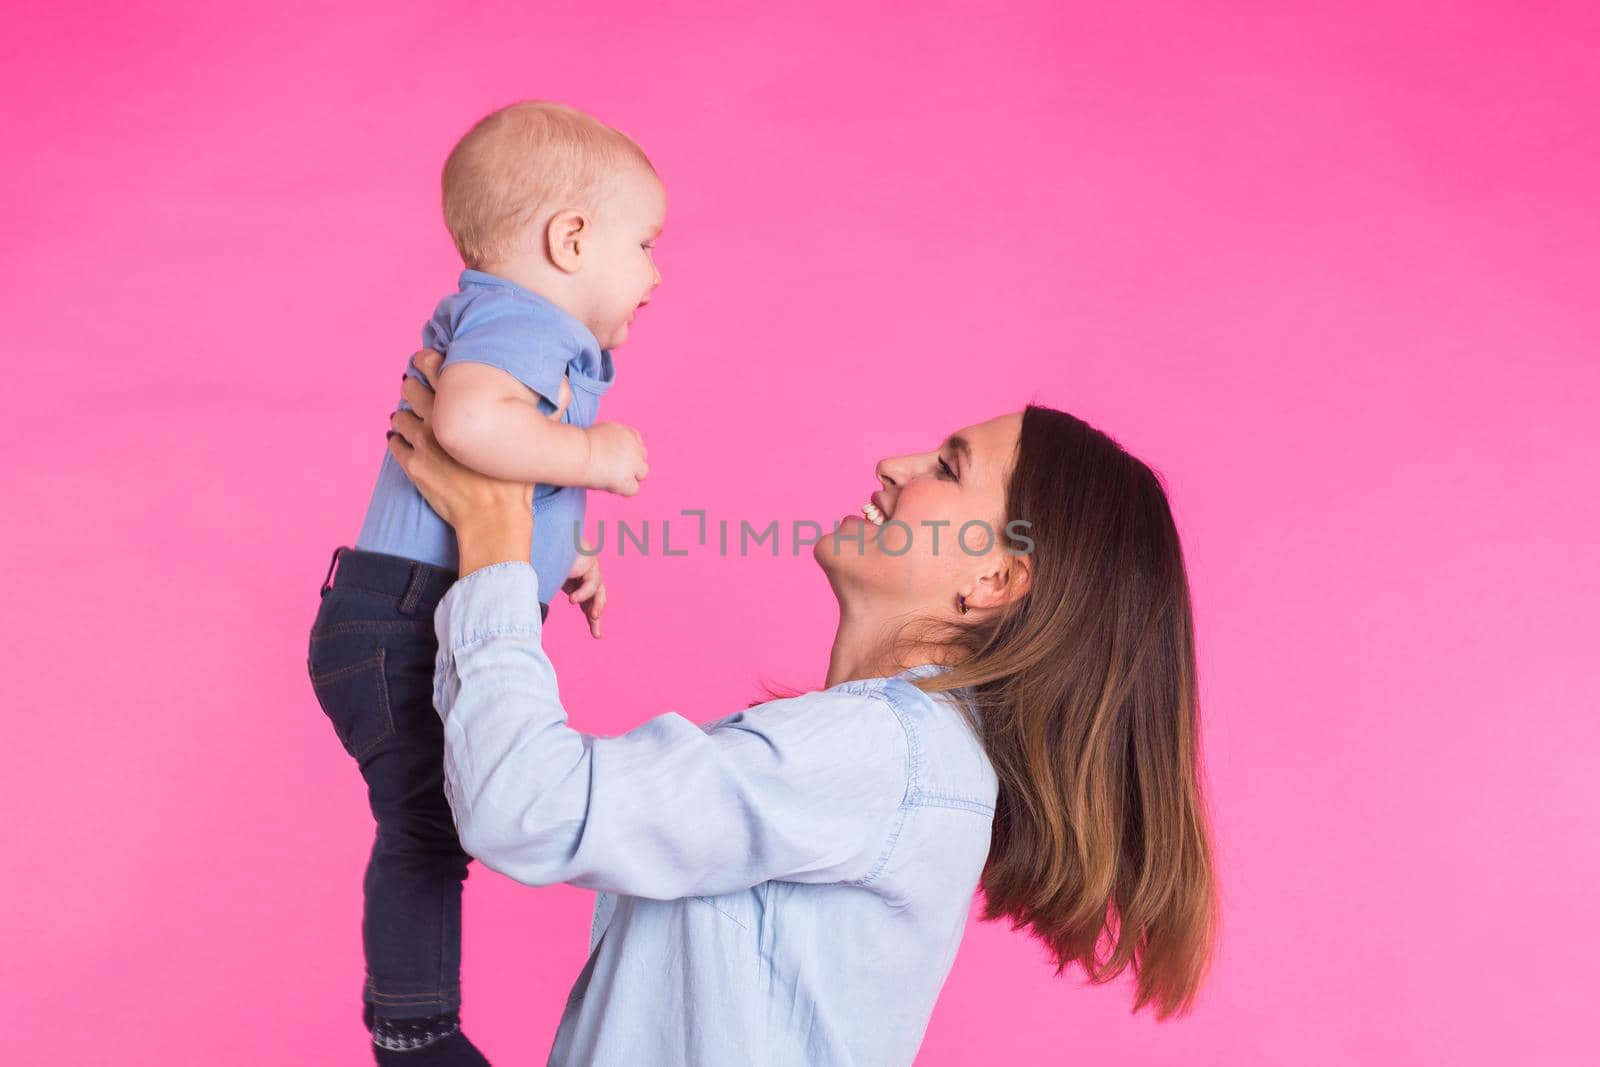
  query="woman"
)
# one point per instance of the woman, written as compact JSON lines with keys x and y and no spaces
{"x":788,"y":884}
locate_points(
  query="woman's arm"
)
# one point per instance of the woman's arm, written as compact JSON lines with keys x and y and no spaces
{"x":807,"y":789}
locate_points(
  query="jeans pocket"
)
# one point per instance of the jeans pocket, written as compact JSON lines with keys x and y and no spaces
{"x":356,"y":700}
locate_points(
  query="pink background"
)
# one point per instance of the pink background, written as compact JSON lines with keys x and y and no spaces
{"x":1332,"y":271}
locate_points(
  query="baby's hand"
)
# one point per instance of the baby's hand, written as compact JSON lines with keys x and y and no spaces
{"x":585,"y":588}
{"x":563,"y":399}
{"x":616,"y":458}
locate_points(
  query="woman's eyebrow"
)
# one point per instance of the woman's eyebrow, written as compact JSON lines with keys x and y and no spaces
{"x":961,"y":447}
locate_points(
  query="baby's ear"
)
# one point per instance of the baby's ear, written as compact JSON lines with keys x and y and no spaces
{"x":565,"y":239}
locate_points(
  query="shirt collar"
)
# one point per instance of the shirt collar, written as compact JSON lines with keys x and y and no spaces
{"x":922,"y":669}
{"x":598,"y":369}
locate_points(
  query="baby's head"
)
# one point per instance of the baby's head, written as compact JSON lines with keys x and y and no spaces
{"x":556,"y":201}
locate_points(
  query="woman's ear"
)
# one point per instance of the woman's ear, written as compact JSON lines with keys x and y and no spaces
{"x":1005,"y":580}
{"x":566,"y":238}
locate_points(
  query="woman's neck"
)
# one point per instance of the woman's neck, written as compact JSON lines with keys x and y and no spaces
{"x":863,"y":647}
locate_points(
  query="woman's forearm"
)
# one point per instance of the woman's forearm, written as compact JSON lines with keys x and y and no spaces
{"x":806,"y":789}
{"x":497,"y":537}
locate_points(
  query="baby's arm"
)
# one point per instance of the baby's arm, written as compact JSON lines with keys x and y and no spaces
{"x":488,"y":420}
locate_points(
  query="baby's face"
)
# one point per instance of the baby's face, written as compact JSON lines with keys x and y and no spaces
{"x":622,"y":275}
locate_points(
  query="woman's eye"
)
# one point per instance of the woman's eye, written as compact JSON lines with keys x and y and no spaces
{"x":945,"y":471}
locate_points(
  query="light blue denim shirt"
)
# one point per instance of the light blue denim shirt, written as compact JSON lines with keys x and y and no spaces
{"x":783,"y":885}
{"x":495,"y":321}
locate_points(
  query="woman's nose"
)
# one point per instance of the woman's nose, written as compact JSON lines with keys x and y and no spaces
{"x":897,"y":470}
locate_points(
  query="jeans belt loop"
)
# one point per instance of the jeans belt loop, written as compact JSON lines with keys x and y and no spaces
{"x":327,"y":579}
{"x":413,"y":595}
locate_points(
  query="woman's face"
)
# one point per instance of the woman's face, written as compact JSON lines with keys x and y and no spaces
{"x":935,"y":531}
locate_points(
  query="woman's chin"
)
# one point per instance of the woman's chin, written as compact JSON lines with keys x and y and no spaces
{"x":823,"y":552}
{"x":834,"y":559}
{"x":835,"y":568}
{"x":840,"y":559}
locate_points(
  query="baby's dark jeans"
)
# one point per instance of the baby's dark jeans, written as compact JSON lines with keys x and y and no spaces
{"x":371,"y":664}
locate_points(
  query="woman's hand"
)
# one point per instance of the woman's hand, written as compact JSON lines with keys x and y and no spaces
{"x":493,"y":519}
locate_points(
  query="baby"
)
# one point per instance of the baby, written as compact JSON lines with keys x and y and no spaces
{"x":555,"y":216}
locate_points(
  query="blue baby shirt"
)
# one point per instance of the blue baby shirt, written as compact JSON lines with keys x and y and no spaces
{"x":498,"y":322}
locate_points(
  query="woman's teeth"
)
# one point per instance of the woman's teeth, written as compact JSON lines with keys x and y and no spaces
{"x":874,"y":516}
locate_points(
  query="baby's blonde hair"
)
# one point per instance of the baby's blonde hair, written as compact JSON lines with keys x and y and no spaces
{"x":521,"y":162}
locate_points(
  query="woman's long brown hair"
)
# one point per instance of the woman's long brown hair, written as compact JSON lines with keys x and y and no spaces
{"x":1086,"y":702}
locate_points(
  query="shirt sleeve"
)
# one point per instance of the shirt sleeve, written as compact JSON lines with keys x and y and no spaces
{"x":805,"y":789}
{"x":513,"y":337}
